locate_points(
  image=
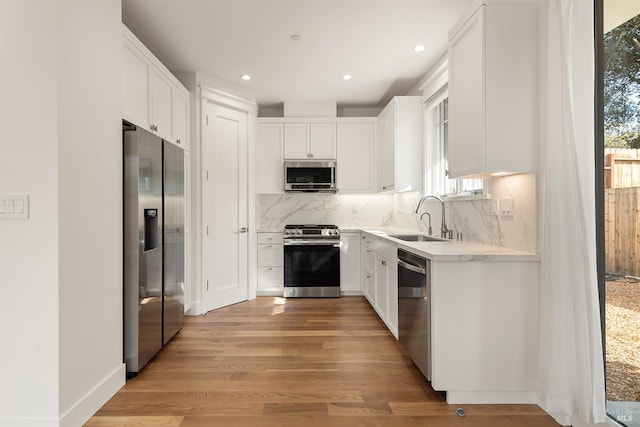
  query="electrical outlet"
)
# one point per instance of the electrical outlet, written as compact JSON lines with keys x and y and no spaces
{"x":506,"y":207}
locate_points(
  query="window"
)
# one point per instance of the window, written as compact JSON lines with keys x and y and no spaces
{"x":436,"y":110}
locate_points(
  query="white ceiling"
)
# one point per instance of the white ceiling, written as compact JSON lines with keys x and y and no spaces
{"x":372,"y":40}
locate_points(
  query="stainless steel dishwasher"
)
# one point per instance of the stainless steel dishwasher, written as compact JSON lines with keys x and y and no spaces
{"x":414,"y":308}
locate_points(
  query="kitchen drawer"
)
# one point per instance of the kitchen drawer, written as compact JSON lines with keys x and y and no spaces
{"x":270,"y":278}
{"x":381,"y":247}
{"x":267,"y":238}
{"x":270,"y":255}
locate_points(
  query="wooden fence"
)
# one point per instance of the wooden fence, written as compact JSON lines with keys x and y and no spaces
{"x":622,"y":210}
{"x":622,"y":230}
{"x":621,"y":167}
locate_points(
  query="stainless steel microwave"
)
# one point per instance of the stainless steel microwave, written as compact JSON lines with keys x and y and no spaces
{"x":310,"y":176}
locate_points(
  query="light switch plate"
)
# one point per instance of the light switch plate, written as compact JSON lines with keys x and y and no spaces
{"x":14,"y":206}
{"x":494,"y":207}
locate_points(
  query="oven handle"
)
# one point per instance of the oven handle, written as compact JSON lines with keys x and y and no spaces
{"x":312,"y":243}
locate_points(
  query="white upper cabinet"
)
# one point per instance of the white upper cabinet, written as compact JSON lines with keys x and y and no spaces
{"x":493,"y":90}
{"x":309,"y":140}
{"x":135,"y":86}
{"x":270,"y":170}
{"x":356,"y":157}
{"x":152,"y":97}
{"x":180,"y":117}
{"x":386,"y":151}
{"x":161,"y":106}
{"x":400,"y":145}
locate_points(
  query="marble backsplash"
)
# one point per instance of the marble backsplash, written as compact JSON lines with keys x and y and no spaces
{"x":472,"y":218}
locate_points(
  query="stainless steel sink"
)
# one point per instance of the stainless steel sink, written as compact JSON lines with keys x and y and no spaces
{"x":418,"y":238}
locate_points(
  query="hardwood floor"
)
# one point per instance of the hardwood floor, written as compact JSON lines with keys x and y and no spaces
{"x":289,"y":362}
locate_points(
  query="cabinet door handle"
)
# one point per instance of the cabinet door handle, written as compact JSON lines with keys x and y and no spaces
{"x":178,"y":140}
{"x":310,"y":155}
{"x":383,"y":262}
{"x":268,"y":246}
{"x":243,"y":230}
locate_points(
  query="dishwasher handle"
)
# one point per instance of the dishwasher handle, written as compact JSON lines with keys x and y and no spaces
{"x":415,"y":268}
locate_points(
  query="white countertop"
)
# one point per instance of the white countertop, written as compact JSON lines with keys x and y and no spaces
{"x":452,"y":250}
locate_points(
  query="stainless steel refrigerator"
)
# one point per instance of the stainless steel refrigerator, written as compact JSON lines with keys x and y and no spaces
{"x":153,"y":244}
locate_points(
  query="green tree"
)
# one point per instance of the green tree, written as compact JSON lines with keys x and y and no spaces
{"x":622,"y":85}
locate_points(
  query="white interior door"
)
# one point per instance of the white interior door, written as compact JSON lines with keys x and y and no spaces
{"x":225,"y":247}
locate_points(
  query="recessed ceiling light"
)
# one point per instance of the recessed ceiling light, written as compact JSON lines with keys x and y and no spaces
{"x":419,"y":48}
{"x":346,"y":77}
{"x":245,"y":77}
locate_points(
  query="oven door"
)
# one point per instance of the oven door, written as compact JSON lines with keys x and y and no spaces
{"x":312,"y":263}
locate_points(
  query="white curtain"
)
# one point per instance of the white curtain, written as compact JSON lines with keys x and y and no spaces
{"x":571,"y":372}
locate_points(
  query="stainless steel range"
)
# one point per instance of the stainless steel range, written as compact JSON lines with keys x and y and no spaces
{"x":311,"y":260}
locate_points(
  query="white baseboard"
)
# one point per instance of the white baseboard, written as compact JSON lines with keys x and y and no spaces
{"x":88,"y":405}
{"x":84,"y":409}
{"x":195,"y":309}
{"x":29,"y":422}
{"x":279,"y":292}
{"x":491,"y":397}
{"x":270,"y":293}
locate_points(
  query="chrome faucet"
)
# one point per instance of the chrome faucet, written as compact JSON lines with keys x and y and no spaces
{"x":429,"y":215}
{"x":444,"y":231}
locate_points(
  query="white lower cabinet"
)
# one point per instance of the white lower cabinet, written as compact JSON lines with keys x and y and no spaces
{"x":270,"y":264}
{"x":368,"y":260}
{"x":380,"y":279}
{"x":381,"y":300}
{"x":350,"y":263}
{"x":484,"y":331}
{"x":392,"y":296}
{"x":484,"y":322}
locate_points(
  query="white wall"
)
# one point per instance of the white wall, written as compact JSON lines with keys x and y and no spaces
{"x":90,"y":204}
{"x":29,"y":248}
{"x":60,"y":270}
